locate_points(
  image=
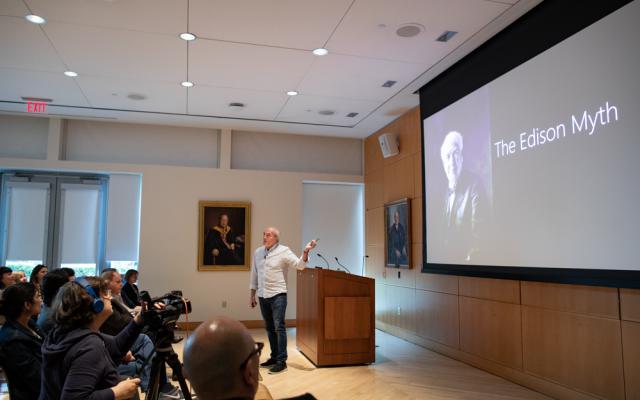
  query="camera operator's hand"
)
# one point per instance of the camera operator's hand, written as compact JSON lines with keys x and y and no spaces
{"x":126,"y":389}
{"x":138,"y":318}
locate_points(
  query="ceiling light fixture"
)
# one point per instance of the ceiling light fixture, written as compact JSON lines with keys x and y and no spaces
{"x":35,"y":19}
{"x":292,"y":93}
{"x":187,"y":84}
{"x":71,"y":74}
{"x":187,"y":36}
{"x":320,"y":52}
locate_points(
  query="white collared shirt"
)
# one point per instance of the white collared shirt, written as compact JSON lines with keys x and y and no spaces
{"x":269,"y":269}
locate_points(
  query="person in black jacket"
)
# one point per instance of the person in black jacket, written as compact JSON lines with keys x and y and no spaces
{"x":130,"y":293}
{"x":79,"y":362}
{"x":20,"y":341}
{"x":51,"y":283}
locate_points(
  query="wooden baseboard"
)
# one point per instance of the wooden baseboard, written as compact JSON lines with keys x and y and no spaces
{"x":250,"y":324}
{"x":538,"y":384}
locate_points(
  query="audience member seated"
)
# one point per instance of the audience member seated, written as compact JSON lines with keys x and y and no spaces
{"x":222,"y":360}
{"x":20,"y":341}
{"x":38,"y":272}
{"x":143,"y":348}
{"x":6,"y":278}
{"x":51,"y":283}
{"x":78,"y":362}
{"x":19,"y":276}
{"x":130,"y":293}
{"x":71,"y":273}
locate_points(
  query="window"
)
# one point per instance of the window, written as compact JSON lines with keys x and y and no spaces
{"x":56,"y":220}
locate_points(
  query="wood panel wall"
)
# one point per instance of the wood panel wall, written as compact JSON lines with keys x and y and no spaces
{"x":567,"y":341}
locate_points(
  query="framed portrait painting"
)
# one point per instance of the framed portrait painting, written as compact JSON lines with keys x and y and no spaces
{"x":397,"y":234}
{"x":224,"y":231}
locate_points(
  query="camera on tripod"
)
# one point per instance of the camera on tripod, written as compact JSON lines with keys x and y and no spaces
{"x":159,"y":324}
{"x":174,"y":304}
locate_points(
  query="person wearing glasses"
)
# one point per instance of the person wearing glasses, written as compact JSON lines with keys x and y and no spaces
{"x":221,"y":360}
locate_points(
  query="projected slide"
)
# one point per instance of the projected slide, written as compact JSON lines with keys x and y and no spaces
{"x":541,"y":167}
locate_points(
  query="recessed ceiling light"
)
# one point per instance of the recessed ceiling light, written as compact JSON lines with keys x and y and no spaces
{"x":71,"y":74}
{"x":320,"y":52}
{"x":326,"y":112}
{"x":186,"y":84}
{"x":187,"y":36}
{"x":292,"y":93}
{"x":35,"y":19}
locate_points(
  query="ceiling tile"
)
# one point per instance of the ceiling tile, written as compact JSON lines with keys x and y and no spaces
{"x":207,"y":100}
{"x":119,"y":54}
{"x":299,"y":24}
{"x":17,"y":83}
{"x":157,"y":16}
{"x":369,"y":29}
{"x":24,"y":45}
{"x":14,"y":8}
{"x":245,"y":66}
{"x":357,"y":78}
{"x":305,"y":109}
{"x":113,"y":93}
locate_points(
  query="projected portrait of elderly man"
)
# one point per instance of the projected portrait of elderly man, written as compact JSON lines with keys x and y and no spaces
{"x":464,"y":202}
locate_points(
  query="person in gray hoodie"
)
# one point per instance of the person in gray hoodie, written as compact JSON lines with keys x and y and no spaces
{"x":79,"y":362}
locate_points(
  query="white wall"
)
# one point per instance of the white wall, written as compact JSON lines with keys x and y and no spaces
{"x":335,"y":214}
{"x":169,"y":225}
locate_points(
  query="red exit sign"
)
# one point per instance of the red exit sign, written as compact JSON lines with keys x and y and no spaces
{"x":36,"y":107}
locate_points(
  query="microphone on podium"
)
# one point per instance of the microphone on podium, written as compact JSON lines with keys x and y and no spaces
{"x":325,"y":260}
{"x":338,"y":261}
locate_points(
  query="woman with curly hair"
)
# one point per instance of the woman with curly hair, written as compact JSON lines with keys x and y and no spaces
{"x":79,"y":362}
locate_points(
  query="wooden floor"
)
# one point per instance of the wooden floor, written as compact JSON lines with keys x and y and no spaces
{"x":402,"y":371}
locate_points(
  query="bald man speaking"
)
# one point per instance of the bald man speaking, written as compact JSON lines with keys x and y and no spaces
{"x":269,"y":268}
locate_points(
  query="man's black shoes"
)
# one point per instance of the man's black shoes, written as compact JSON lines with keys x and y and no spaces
{"x":268,"y":364}
{"x":278,"y":368}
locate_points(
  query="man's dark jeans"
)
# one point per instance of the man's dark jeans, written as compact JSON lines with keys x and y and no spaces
{"x":273,"y":310}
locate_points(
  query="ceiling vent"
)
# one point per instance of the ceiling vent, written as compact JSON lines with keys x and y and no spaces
{"x":409,"y":30}
{"x":446,"y":36}
{"x":352,"y":114}
{"x":389,"y":83}
{"x":136,"y":96}
{"x":236,"y":105}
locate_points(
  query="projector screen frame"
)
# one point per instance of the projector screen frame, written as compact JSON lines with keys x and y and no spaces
{"x":493,"y":59}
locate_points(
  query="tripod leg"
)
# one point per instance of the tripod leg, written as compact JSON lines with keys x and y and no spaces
{"x":176,"y":366}
{"x":153,"y":391}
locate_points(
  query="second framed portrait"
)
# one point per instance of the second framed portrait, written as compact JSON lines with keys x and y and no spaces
{"x":224,"y":231}
{"x":397,"y":228}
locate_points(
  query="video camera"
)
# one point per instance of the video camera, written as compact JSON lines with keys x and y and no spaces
{"x":173,"y":304}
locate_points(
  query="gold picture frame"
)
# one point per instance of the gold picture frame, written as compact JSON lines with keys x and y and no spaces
{"x":397,"y":238}
{"x":224,"y":245}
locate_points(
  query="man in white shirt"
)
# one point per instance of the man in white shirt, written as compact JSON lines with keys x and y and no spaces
{"x":269,"y":268}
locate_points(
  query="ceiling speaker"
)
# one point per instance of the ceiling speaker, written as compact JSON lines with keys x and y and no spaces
{"x":389,"y":144}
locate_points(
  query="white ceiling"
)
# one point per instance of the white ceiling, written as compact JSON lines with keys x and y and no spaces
{"x":248,"y":51}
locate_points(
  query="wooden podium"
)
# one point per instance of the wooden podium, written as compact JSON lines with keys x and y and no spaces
{"x":335,"y":317}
